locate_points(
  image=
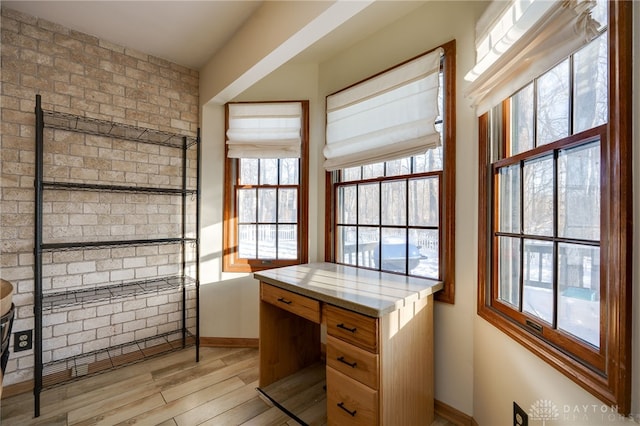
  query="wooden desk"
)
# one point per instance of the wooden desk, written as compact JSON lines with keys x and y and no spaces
{"x":379,"y":327}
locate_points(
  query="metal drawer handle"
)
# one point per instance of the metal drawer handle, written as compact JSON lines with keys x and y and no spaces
{"x":341,"y":405}
{"x":350,"y":364}
{"x":283,"y":300}
{"x":342,"y":326}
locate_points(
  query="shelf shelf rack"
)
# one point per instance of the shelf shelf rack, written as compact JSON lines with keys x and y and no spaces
{"x":106,"y":359}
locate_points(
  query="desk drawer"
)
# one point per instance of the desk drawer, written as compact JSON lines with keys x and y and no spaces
{"x":352,"y":327}
{"x":292,"y":302}
{"x":353,"y":361}
{"x":349,"y":402}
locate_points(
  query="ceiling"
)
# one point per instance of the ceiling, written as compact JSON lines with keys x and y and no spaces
{"x":189,"y":33}
{"x":184,"y":32}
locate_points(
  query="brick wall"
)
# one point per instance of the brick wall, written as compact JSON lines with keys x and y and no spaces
{"x":81,"y":74}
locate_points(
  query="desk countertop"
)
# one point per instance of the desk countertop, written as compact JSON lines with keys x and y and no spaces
{"x":370,"y":293}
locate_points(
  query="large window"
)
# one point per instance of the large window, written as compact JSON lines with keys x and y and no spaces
{"x":554,"y":272}
{"x":388,"y":216}
{"x":397,"y":215}
{"x":266,"y":183}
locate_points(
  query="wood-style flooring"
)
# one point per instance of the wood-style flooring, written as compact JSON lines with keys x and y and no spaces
{"x":171,"y":390}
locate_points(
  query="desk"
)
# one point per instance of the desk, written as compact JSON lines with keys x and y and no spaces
{"x":379,"y":339}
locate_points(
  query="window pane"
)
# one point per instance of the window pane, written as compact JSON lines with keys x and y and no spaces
{"x":590,"y":107}
{"x":346,"y":250}
{"x":288,"y":206}
{"x":347,"y":205}
{"x":393,"y":251}
{"x":287,"y":242}
{"x":579,"y":291}
{"x":424,"y":245}
{"x":352,"y":173}
{"x":248,"y":171}
{"x":394,"y":202}
{"x":289,"y":171}
{"x":509,"y":199}
{"x":368,"y":245}
{"x":431,"y":161}
{"x":509,"y":270}
{"x":553,"y":105}
{"x":267,"y":206}
{"x":522,"y":121}
{"x":398,"y":167}
{"x":538,"y":196}
{"x":247,"y":205}
{"x":423,"y":202}
{"x":538,"y":279}
{"x":579,"y":192}
{"x":372,"y":170}
{"x":267,"y":241}
{"x":268,"y":171}
{"x":247,"y":241}
{"x":369,"y":204}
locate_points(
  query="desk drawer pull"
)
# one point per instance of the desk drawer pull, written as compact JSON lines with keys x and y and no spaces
{"x":283,"y":300}
{"x":350,"y":364}
{"x":342,"y":326}
{"x":353,"y":413}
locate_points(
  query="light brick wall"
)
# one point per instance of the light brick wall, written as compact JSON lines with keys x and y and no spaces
{"x":80,"y":74}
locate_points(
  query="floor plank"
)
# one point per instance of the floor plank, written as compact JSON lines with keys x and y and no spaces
{"x":174,"y":390}
{"x":118,"y":414}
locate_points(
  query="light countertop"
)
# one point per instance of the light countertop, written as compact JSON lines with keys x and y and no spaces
{"x":370,"y":293}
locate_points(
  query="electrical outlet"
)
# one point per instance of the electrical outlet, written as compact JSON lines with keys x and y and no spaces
{"x":520,"y":418}
{"x":22,"y":340}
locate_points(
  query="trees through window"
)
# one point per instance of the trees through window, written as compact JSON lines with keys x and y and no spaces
{"x":553,"y":239}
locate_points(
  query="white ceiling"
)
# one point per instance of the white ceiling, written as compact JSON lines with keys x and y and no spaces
{"x":189,"y":33}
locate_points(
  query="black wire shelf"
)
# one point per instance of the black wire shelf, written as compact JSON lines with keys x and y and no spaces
{"x":176,"y":332}
{"x":59,"y":372}
{"x":80,"y":297}
{"x":75,"y":186}
{"x":97,"y":127}
{"x":85,"y":245}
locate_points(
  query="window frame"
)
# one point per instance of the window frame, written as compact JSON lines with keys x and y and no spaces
{"x":447,"y":182}
{"x":613,"y":383}
{"x":232,"y":262}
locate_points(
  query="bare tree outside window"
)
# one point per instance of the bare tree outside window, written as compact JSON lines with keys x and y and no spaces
{"x":548,"y":218}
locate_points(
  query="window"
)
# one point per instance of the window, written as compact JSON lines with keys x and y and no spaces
{"x":266,"y":186}
{"x":396,"y":214}
{"x":388,"y":216}
{"x":554,"y":233}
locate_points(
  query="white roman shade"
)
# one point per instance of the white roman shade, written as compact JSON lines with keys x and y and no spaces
{"x":264,"y":130}
{"x":518,"y":40}
{"x":386,"y":117}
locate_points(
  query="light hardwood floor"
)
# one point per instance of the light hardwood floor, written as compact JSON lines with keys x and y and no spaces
{"x":171,"y":390}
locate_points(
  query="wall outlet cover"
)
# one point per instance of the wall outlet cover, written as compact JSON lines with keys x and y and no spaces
{"x":22,"y":340}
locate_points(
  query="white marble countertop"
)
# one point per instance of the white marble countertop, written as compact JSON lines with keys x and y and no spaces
{"x":370,"y":293}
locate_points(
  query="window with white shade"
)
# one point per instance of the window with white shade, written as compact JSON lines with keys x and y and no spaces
{"x":264,"y":130}
{"x":266,"y":183}
{"x":392,"y":115}
{"x":554,"y":215}
{"x":390,"y":158}
{"x":518,"y":40}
